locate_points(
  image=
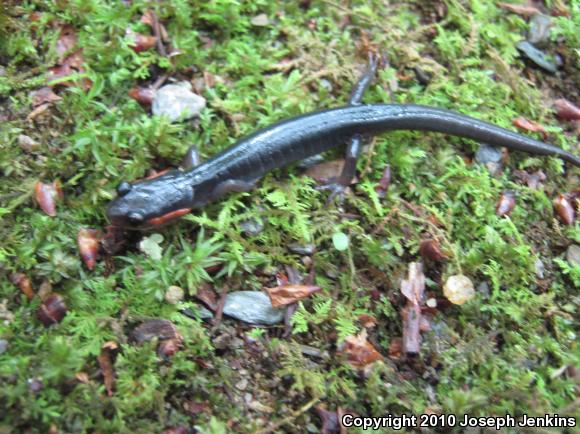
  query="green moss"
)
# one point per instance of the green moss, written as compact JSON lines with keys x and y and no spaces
{"x":504,"y":351}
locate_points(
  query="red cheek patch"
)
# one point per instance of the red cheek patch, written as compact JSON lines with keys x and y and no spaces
{"x":157,"y":221}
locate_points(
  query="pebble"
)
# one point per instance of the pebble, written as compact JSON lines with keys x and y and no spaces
{"x":536,"y":56}
{"x":539,"y":32}
{"x":27,"y":144}
{"x":253,"y":307}
{"x":3,"y":345}
{"x":459,"y":289}
{"x":174,"y":294}
{"x":540,"y":268}
{"x":490,"y":157}
{"x":252,"y":227}
{"x":200,"y":312}
{"x":306,"y":249}
{"x":177,"y":102}
{"x":260,"y":20}
{"x":573,"y":254}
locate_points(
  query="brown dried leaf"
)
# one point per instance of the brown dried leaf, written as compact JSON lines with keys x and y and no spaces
{"x":88,"y":243}
{"x":565,"y":209}
{"x":148,"y":18}
{"x":139,"y":42}
{"x":66,"y":41}
{"x":506,"y":203}
{"x":155,"y":328}
{"x":384,"y":182}
{"x":359,"y":351}
{"x":143,"y":95}
{"x":23,"y":282}
{"x":326,"y":171}
{"x":525,"y":11}
{"x":527,"y":125}
{"x":330,"y":422}
{"x":566,"y":110}
{"x":47,"y":196}
{"x":105,"y":360}
{"x":44,"y":95}
{"x":287,"y":294}
{"x":431,"y":249}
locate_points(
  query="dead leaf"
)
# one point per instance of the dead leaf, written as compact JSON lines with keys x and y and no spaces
{"x":44,"y":95}
{"x":326,"y":171}
{"x":565,"y":210}
{"x":139,"y":42}
{"x":288,"y":294}
{"x":525,"y":11}
{"x":359,"y":352}
{"x":88,"y":243}
{"x":505,"y":204}
{"x":155,"y":328}
{"x":143,"y":95}
{"x":566,"y":110}
{"x":23,"y":282}
{"x":47,"y":196}
{"x":431,"y":249}
{"x":527,"y":125}
{"x":66,"y":41}
{"x":105,"y":360}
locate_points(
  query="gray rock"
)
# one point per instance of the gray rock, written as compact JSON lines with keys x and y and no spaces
{"x":177,"y":102}
{"x":540,"y":268}
{"x":306,"y":249}
{"x":200,"y":312}
{"x":252,"y":227}
{"x":253,"y":307}
{"x":488,"y":154}
{"x":573,"y":254}
{"x":536,"y":56}
{"x":539,"y":32}
{"x":3,"y":345}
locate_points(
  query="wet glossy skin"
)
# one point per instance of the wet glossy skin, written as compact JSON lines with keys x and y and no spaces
{"x":156,"y":201}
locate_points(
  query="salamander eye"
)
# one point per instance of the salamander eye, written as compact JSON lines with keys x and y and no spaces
{"x":135,"y":218}
{"x":123,"y":188}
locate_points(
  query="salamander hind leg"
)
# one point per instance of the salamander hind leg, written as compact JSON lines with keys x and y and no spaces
{"x":191,"y":158}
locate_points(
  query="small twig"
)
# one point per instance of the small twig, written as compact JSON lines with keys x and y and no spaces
{"x":158,"y":35}
{"x":274,"y":426}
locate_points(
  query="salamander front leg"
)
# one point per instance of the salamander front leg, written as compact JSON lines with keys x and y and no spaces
{"x":338,"y":186}
{"x":191,"y":158}
{"x":230,"y":186}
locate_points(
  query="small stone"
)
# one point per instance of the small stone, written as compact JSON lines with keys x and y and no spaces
{"x":200,"y":312}
{"x":260,"y":20}
{"x":573,"y":255}
{"x":177,"y":102}
{"x":3,"y":345}
{"x":431,"y":302}
{"x":174,"y":294}
{"x":540,"y":268}
{"x":242,"y":384}
{"x":326,"y":84}
{"x":253,"y":307}
{"x":539,"y":32}
{"x":26,"y":143}
{"x":252,"y":227}
{"x":458,"y":289}
{"x":488,"y":154}
{"x":483,"y":289}
{"x":306,"y":249}
{"x":536,"y":56}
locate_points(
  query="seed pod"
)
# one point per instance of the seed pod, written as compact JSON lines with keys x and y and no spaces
{"x":52,"y":310}
{"x":564,"y":208}
{"x":431,"y":249}
{"x":47,"y":195}
{"x":88,"y":242}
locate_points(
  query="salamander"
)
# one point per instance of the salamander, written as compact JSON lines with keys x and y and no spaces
{"x":154,"y":202}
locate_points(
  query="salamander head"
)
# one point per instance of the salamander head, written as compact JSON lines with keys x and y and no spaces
{"x":151,"y":203}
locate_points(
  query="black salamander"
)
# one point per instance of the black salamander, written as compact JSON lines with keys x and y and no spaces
{"x":154,"y":202}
